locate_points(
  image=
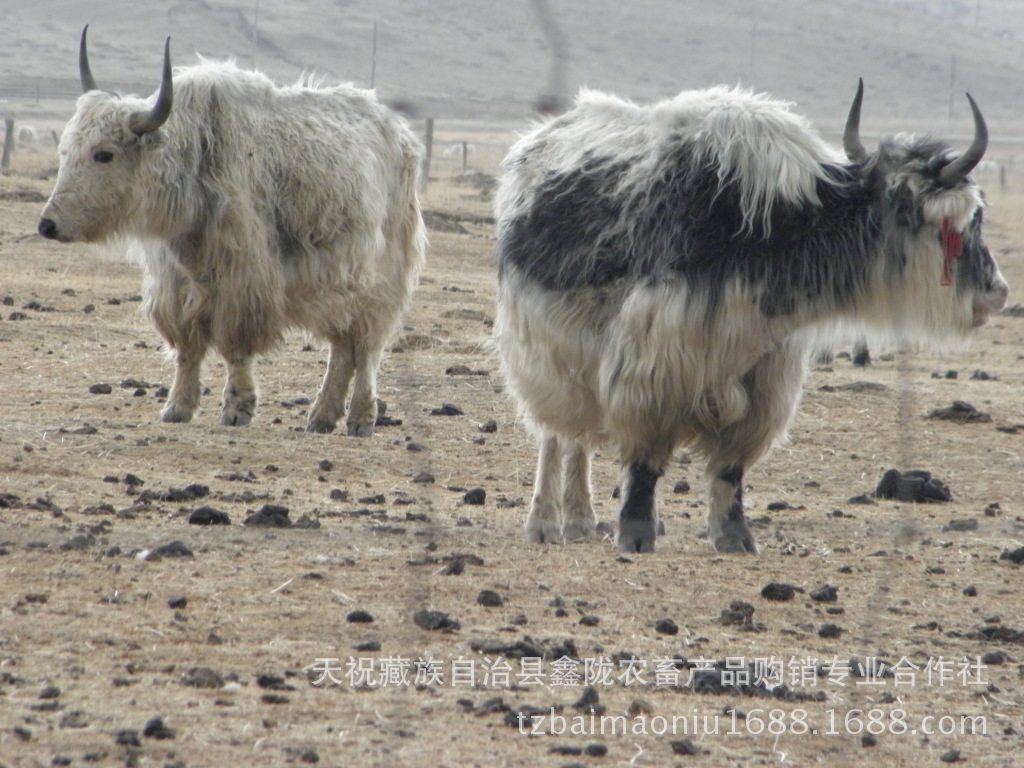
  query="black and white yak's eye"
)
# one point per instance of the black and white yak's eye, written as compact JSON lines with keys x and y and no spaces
{"x":103,"y":156}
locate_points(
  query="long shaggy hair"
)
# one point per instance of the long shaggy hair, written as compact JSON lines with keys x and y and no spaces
{"x":255,"y":209}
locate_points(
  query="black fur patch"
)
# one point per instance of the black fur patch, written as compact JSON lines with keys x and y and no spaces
{"x":734,"y":476}
{"x":639,"y":502}
{"x":583,"y":229}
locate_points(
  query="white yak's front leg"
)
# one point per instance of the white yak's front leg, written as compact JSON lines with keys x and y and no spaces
{"x":186,"y":389}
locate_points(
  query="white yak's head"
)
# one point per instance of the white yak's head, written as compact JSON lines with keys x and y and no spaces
{"x":101,"y":152}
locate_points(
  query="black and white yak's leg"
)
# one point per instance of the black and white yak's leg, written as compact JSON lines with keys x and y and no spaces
{"x":578,"y":518}
{"x":773,"y":388}
{"x":329,"y":405}
{"x":638,"y":515}
{"x":544,"y":522}
{"x":861,"y":353}
{"x":727,"y":525}
{"x":239,"y":405}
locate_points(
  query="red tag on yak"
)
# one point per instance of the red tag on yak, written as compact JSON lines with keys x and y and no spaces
{"x":952,"y":247}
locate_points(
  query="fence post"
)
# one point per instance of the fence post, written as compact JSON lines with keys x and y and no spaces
{"x":465,"y":153}
{"x":5,"y":161}
{"x":429,"y":148}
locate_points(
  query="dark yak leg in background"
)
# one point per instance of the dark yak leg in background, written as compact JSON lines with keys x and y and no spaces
{"x":727,"y":525}
{"x":638,"y":516}
{"x":239,"y":404}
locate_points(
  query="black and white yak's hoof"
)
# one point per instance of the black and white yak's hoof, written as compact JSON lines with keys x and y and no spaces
{"x":637,"y":536}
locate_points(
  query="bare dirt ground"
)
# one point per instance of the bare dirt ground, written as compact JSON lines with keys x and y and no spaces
{"x":98,"y":636}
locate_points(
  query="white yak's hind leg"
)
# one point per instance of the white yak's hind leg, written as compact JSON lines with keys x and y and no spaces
{"x":579,"y":520}
{"x":329,"y":405}
{"x":362,"y":411}
{"x":543,"y":524}
{"x":239,"y":404}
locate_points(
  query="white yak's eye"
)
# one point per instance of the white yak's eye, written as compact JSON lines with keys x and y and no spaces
{"x":103,"y":156}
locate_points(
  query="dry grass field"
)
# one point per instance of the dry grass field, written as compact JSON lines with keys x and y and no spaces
{"x":100,"y":634}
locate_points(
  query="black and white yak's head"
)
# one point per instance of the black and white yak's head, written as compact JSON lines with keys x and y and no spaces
{"x":940,"y":276}
{"x":106,"y":152}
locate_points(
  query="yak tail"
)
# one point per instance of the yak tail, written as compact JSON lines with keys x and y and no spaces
{"x":406,"y":220}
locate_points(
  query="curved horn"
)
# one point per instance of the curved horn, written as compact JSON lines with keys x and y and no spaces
{"x":851,"y":135}
{"x":88,"y":82}
{"x":957,"y":170}
{"x":147,"y":122}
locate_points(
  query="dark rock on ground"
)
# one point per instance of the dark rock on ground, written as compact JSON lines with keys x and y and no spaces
{"x":175,"y":548}
{"x":738,"y":613}
{"x":269,"y":516}
{"x":684,"y":747}
{"x":203,"y":677}
{"x":961,"y":526}
{"x":825,"y":594}
{"x":208,"y":516}
{"x":489,"y":599}
{"x":475,"y":497}
{"x":435,"y":621}
{"x":830,"y":630}
{"x":779,"y":591}
{"x":447,"y":409}
{"x":960,"y":412}
{"x":155,"y":729}
{"x":128,"y":737}
{"x":666,"y":627}
{"x":915,"y":485}
{"x":1015,"y":556}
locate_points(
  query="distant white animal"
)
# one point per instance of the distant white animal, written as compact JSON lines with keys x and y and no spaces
{"x":664,"y":272}
{"x":456,"y":150}
{"x":27,"y":134}
{"x":256,"y":209}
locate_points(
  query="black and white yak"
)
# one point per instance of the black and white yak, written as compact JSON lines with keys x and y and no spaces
{"x":664,"y":271}
{"x":254,"y":209}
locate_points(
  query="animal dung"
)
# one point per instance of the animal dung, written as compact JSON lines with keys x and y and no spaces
{"x":917,"y":485}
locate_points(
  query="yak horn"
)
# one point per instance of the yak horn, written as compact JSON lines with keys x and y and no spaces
{"x":88,"y":81}
{"x":147,"y":122}
{"x":957,"y":170}
{"x":851,"y":135}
